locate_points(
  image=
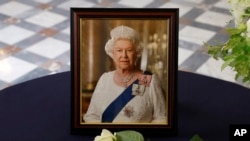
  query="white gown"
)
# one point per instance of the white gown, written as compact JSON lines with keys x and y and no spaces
{"x":148,"y":108}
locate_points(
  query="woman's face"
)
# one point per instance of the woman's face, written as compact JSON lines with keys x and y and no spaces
{"x":124,"y":54}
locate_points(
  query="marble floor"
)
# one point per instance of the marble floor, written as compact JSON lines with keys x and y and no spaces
{"x":35,"y":35}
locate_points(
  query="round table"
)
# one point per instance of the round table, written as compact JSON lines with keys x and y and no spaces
{"x":40,"y":109}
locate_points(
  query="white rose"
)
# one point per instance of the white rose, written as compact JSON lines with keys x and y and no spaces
{"x":240,"y":2}
{"x":248,"y":28}
{"x":237,"y":12}
{"x":106,"y":135}
{"x":238,"y":8}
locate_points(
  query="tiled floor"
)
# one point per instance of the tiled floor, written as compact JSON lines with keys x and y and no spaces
{"x":35,"y":35}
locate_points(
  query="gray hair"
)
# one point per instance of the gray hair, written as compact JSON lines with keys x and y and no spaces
{"x":123,"y":32}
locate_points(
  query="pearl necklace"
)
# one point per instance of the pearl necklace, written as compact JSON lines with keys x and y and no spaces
{"x":125,"y":80}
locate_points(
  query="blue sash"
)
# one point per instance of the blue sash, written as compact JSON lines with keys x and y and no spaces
{"x":117,"y":105}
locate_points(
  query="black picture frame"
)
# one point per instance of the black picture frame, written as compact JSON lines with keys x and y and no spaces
{"x":86,"y":25}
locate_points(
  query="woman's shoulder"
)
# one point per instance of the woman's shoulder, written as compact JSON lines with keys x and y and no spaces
{"x":104,"y":78}
{"x":107,"y":75}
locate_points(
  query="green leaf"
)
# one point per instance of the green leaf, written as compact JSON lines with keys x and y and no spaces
{"x":129,"y":135}
{"x":247,"y":10}
{"x":215,"y":51}
{"x":246,"y":79}
{"x":196,"y":137}
{"x":241,"y":28}
{"x":227,"y":63}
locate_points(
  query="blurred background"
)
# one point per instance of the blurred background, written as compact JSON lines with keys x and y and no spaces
{"x":35,"y":35}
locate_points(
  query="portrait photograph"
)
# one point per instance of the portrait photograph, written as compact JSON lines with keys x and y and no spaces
{"x":124,"y":69}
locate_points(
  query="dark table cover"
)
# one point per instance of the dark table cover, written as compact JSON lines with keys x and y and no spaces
{"x":39,"y":110}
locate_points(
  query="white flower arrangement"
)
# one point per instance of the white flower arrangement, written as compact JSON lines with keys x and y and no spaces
{"x":238,"y":11}
{"x":127,"y":135}
{"x":236,"y":50}
{"x":106,"y":135}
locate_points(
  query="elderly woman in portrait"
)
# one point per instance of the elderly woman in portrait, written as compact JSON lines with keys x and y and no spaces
{"x":126,"y":94}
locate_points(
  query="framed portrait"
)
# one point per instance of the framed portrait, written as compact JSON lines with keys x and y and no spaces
{"x":124,"y":70}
